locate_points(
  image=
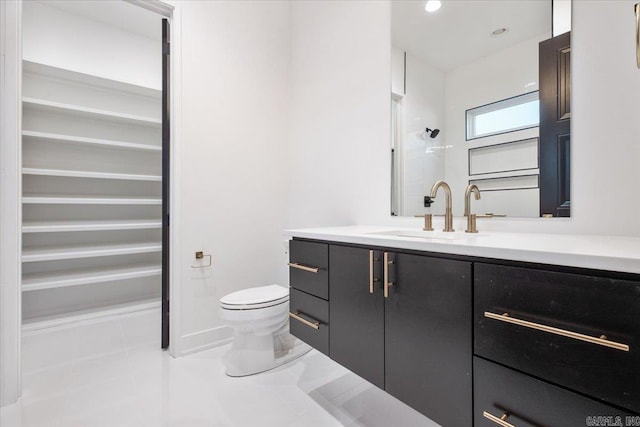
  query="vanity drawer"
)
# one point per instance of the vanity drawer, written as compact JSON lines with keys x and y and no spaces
{"x":581,"y":332}
{"x":309,"y":319}
{"x":528,"y":402}
{"x":309,"y":267}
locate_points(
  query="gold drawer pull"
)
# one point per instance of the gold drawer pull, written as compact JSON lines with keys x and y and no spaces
{"x":636,"y":9}
{"x":386,"y":265}
{"x":500,"y":421}
{"x":602,"y":340}
{"x":296,"y":315}
{"x":304,"y":267}
{"x":370,"y":272}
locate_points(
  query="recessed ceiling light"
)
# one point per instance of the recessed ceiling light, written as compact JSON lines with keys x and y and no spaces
{"x":432,"y":5}
{"x":499,"y":32}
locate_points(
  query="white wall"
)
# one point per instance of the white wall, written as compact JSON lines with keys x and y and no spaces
{"x":605,"y":126}
{"x":10,"y":207}
{"x":350,"y":185}
{"x":397,"y":70}
{"x":232,"y":155}
{"x":55,"y":37}
{"x":508,"y":73}
{"x":339,"y":125}
{"x":421,"y":157}
{"x":561,"y":16}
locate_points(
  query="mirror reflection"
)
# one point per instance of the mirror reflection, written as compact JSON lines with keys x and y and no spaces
{"x":481,"y":95}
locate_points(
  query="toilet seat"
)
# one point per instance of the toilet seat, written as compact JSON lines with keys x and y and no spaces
{"x":255,"y":298}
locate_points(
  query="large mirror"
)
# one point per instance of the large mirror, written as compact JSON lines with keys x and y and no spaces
{"x":481,"y":95}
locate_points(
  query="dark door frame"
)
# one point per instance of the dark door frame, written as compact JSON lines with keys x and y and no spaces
{"x":166,"y":182}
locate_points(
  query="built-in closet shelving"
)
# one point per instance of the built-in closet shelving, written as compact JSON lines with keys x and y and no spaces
{"x":92,"y":197}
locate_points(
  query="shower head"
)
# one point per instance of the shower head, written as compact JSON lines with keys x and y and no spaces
{"x":433,"y":132}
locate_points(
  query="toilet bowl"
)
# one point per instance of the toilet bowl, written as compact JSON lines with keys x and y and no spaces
{"x":261,"y":340}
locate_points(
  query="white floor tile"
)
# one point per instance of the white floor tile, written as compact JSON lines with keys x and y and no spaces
{"x":99,"y":369}
{"x":43,"y":350}
{"x":46,"y":383}
{"x":98,"y":339}
{"x":142,"y":329}
{"x":109,"y":374}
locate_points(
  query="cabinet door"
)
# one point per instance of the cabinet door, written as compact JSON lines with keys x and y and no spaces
{"x":428,"y":343}
{"x":356,"y":340}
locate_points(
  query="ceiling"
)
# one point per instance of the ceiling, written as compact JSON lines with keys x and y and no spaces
{"x":118,"y":14}
{"x":460,"y":31}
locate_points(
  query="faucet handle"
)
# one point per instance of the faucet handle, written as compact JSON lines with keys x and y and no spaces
{"x":428,"y":221}
{"x":428,"y":200}
{"x":471,"y":224}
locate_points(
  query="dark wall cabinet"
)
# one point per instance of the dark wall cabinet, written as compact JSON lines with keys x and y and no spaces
{"x":474,"y":342}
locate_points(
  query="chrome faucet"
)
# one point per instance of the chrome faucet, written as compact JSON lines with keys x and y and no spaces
{"x":448,"y":215}
{"x":471,"y":218}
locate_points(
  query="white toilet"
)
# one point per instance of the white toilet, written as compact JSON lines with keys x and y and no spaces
{"x":260,"y":320}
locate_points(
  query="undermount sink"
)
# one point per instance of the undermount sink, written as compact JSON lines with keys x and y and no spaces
{"x":419,"y":234}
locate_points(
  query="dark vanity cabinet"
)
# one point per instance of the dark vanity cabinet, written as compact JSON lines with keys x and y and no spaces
{"x":472,"y":341}
{"x":578,"y":331}
{"x":415,"y":343}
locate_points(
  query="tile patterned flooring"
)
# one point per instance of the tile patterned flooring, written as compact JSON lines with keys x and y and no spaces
{"x":113,"y":374}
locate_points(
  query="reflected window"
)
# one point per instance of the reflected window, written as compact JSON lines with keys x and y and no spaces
{"x":508,"y":115}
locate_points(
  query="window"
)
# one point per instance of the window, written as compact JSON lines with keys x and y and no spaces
{"x":508,"y":115}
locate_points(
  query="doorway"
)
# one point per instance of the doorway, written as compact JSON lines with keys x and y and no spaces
{"x":95,"y":177}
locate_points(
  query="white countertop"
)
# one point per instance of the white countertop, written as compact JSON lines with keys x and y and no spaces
{"x":610,"y":253}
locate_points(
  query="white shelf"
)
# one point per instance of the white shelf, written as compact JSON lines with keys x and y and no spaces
{"x":38,"y":281}
{"x":88,"y":200}
{"x":75,"y":317}
{"x":64,"y":226}
{"x":89,"y":79}
{"x":43,"y":104}
{"x":84,"y":114}
{"x":74,"y":252}
{"x":54,"y":137}
{"x":89,"y":174}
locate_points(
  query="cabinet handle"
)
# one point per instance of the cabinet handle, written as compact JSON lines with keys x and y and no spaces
{"x":636,"y":9}
{"x":304,"y":267}
{"x":557,"y":331}
{"x":386,"y":274}
{"x":296,"y":315}
{"x":502,"y":421}
{"x":370,"y":272}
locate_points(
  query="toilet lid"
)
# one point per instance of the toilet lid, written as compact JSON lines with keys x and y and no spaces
{"x":254,"y":297}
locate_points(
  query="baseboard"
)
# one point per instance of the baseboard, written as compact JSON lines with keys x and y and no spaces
{"x":204,"y":340}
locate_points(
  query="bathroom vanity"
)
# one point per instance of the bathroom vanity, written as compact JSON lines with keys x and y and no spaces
{"x":485,"y":330}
